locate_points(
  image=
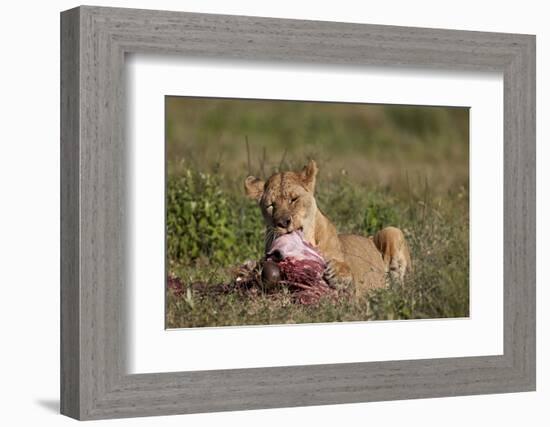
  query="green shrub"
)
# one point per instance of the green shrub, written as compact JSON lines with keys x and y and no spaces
{"x":355,"y":209}
{"x":379,"y":213}
{"x":249,"y":228}
{"x":198,"y":219}
{"x":204,"y":222}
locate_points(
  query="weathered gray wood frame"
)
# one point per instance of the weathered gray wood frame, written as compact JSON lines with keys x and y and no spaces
{"x":94,"y":41}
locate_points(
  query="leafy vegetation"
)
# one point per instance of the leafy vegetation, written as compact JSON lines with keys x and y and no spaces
{"x":203,"y":221}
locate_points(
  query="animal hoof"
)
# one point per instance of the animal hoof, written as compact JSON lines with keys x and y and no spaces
{"x":271,"y":273}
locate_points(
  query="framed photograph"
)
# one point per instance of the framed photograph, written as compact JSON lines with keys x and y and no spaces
{"x":315,"y":217}
{"x":346,"y":212}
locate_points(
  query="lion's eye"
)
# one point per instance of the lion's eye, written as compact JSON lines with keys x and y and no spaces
{"x":294,"y":200}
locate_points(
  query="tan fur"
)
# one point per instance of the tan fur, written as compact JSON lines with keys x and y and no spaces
{"x":391,"y":242}
{"x":288,"y":203}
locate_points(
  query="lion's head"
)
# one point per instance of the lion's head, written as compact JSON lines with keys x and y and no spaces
{"x":286,"y":199}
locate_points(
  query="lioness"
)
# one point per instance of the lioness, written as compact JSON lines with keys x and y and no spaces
{"x":288,"y":203}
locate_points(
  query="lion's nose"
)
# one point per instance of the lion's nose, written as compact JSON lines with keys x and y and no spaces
{"x":283,"y":222}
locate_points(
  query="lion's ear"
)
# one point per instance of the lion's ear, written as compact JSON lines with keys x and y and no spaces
{"x":309,"y":174}
{"x":254,"y":187}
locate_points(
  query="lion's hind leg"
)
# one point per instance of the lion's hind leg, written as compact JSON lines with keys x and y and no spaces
{"x":391,"y":242}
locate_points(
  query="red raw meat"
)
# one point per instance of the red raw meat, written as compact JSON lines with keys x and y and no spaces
{"x":301,"y":266}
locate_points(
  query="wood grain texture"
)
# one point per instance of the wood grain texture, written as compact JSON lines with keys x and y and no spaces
{"x":70,"y":220}
{"x":94,"y":382}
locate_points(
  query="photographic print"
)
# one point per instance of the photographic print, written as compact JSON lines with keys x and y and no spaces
{"x":286,"y":212}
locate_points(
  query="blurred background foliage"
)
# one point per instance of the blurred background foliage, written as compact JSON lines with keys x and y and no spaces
{"x":374,"y":144}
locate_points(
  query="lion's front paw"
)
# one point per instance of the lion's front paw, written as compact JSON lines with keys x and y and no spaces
{"x":337,"y":274}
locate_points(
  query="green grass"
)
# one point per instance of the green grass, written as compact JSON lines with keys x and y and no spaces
{"x":379,"y":166}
